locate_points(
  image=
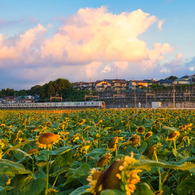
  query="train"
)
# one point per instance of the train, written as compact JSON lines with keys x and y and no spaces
{"x":53,"y":105}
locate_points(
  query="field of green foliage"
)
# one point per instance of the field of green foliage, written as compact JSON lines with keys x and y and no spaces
{"x":101,"y":152}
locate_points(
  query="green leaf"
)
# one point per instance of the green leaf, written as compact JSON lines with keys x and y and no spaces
{"x":18,"y":145}
{"x":148,"y":164}
{"x":143,"y":189}
{"x":61,"y":150}
{"x":12,"y":168}
{"x":186,"y":186}
{"x":41,"y":163}
{"x":170,"y":128}
{"x":107,"y":128}
{"x":81,"y":190}
{"x":97,"y":152}
{"x":143,"y":147}
{"x":174,"y":152}
{"x":81,"y":172}
{"x":112,"y":192}
{"x":60,"y":171}
{"x":166,"y":190}
{"x":23,"y":152}
{"x":28,"y":185}
{"x":63,"y":160}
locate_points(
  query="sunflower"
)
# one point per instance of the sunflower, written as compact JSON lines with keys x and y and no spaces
{"x":158,"y":192}
{"x":117,"y":131}
{"x":48,"y":123}
{"x":113,"y":143}
{"x":84,"y":147}
{"x":186,"y":127}
{"x":132,"y":180}
{"x":1,"y":154}
{"x":98,"y":123}
{"x":148,"y":135}
{"x":119,"y":175}
{"x":46,"y":140}
{"x":3,"y":125}
{"x":87,"y":128}
{"x":95,"y":174}
{"x":52,"y":191}
{"x":81,"y":122}
{"x":140,"y":130}
{"x":64,"y":133}
{"x":152,"y":149}
{"x":76,"y":137}
{"x":104,"y":160}
{"x":173,"y":135}
{"x":135,"y":140}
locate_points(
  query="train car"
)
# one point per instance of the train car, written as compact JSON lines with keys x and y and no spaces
{"x":54,"y":105}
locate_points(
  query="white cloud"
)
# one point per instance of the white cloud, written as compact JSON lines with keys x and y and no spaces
{"x":84,"y":45}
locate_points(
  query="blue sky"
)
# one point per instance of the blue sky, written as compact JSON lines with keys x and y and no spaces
{"x":87,"y":40}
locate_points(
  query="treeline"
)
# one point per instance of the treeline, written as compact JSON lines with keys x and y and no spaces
{"x":60,"y":87}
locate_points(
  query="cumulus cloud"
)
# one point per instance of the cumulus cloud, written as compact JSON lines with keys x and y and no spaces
{"x":23,"y":48}
{"x":96,"y":34}
{"x":178,"y":66}
{"x":84,"y":45}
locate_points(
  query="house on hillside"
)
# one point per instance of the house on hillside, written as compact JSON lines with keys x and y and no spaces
{"x":102,"y":86}
{"x":84,"y":85}
{"x":182,"y":81}
{"x":119,"y":84}
{"x":191,"y":79}
{"x":10,"y":99}
{"x":165,"y":82}
{"x":140,"y":84}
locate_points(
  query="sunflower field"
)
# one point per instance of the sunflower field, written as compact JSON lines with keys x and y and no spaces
{"x":97,"y":151}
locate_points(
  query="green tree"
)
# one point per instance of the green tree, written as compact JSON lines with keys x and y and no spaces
{"x":171,"y":78}
{"x":35,"y":90}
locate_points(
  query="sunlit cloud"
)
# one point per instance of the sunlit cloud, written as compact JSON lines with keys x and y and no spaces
{"x":92,"y":44}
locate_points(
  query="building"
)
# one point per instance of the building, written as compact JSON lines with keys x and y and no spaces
{"x":119,"y":84}
{"x":140,"y":84}
{"x":191,"y":79}
{"x":84,"y":85}
{"x":165,"y":82}
{"x":102,"y":86}
{"x":182,"y":81}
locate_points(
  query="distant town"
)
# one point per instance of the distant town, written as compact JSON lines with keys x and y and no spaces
{"x":115,"y":92}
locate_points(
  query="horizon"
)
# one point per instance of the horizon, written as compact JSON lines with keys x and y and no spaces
{"x":98,"y":80}
{"x":91,"y":40}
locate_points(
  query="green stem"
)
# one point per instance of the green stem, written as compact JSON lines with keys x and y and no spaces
{"x":159,"y":173}
{"x":47,"y":175}
{"x":116,"y":151}
{"x":33,"y":167}
{"x":86,"y":159}
{"x":188,"y":141}
{"x":165,"y":177}
{"x":54,"y":182}
{"x":87,"y":135}
{"x":174,"y":142}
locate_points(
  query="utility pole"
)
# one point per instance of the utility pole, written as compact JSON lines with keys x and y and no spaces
{"x":173,"y":96}
{"x":55,"y":97}
{"x":148,"y":94}
{"x":91,"y":96}
{"x":135,"y":98}
{"x":118,"y":95}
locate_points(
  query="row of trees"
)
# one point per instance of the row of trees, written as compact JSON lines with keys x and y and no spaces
{"x":60,"y":87}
